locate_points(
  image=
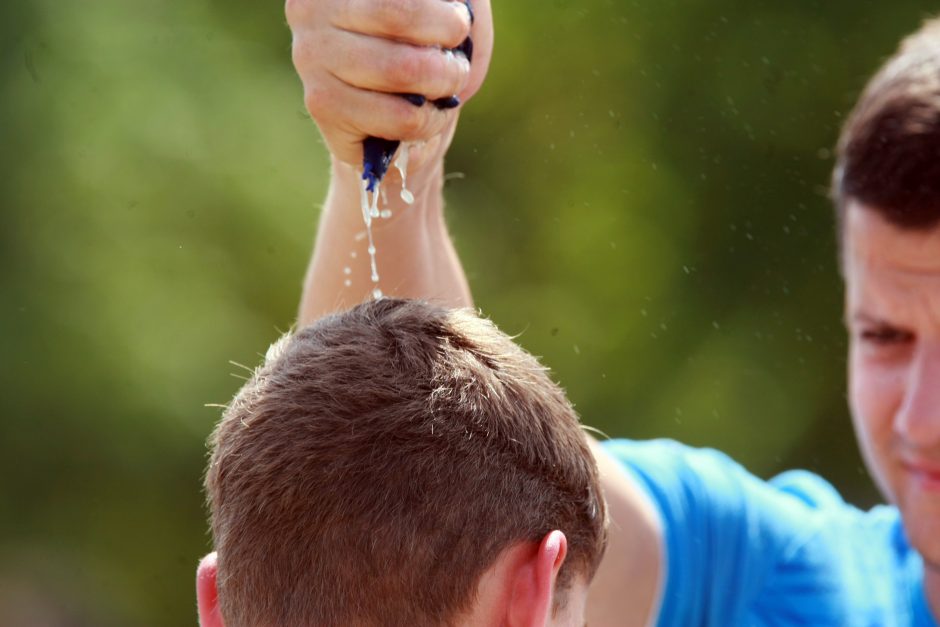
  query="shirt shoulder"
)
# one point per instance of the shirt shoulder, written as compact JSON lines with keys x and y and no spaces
{"x":790,"y":548}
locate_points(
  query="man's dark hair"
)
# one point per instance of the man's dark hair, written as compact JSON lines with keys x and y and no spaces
{"x":889,"y":152}
{"x":381,"y":460}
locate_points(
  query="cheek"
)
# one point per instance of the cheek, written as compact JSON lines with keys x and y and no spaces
{"x":874,"y":397}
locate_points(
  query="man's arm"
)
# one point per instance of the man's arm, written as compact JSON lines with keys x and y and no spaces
{"x":417,"y":258}
{"x":355,"y":58}
{"x":628,"y":585}
{"x":421,"y":262}
{"x":414,"y":255}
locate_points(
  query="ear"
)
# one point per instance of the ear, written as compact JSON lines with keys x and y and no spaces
{"x":533,"y":583}
{"x":207,"y":594}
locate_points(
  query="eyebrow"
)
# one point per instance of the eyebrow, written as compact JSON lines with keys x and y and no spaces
{"x":865,"y":318}
{"x":861,"y":316}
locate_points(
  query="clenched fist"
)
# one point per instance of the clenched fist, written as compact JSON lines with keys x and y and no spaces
{"x":356,"y":58}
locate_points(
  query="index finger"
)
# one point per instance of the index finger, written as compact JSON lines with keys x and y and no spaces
{"x":444,"y":23}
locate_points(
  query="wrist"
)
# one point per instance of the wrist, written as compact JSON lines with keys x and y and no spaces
{"x":424,"y":181}
{"x":424,"y":173}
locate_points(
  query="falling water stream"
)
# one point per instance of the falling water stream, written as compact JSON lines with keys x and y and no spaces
{"x":370,"y":211}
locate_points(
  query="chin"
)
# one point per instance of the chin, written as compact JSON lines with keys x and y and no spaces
{"x":926,"y":544}
{"x":921,"y":516}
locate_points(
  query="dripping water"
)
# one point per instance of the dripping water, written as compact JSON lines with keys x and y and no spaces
{"x":402,"y":164}
{"x":370,"y":210}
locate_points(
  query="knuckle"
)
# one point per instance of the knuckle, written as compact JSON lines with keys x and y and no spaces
{"x":396,"y":16}
{"x":295,"y":11}
{"x":413,"y":122}
{"x":459,"y":29}
{"x":407,"y":70}
{"x":438,"y":120}
{"x":316,"y":100}
{"x":459,"y":76}
{"x":299,"y":53}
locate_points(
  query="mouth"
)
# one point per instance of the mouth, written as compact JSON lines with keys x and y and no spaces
{"x":925,"y":476}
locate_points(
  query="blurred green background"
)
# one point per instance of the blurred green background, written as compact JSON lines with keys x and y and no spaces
{"x":642,"y":199}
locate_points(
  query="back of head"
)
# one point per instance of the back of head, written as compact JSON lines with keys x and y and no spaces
{"x":381,"y":460}
{"x":889,"y":152}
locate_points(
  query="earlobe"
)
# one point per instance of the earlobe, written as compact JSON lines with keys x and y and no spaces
{"x":207,"y":595}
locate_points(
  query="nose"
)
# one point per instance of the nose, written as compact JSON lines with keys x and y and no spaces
{"x":918,"y":420}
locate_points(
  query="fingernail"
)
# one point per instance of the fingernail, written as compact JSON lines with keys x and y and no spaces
{"x":416,"y":99}
{"x":451,"y":102}
{"x":466,"y":48}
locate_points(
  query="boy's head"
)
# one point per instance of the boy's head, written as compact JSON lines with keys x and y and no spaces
{"x":400,"y":464}
{"x":887,"y":188}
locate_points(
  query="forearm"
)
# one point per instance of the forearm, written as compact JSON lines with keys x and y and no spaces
{"x":414,"y":255}
{"x":355,"y":61}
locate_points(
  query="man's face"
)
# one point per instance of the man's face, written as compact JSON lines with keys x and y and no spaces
{"x":893,"y":316}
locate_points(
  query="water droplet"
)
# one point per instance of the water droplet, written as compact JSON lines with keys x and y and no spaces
{"x":347,"y":283}
{"x":353,"y":254}
{"x":371,"y":250}
{"x":364,"y":204}
{"x":374,"y":210}
{"x":386,"y":213}
{"x":402,"y":164}
{"x":375,"y":277}
{"x":347,"y":270}
{"x":377,"y":294}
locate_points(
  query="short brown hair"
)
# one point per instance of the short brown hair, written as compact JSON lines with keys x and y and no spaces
{"x":889,"y":153}
{"x":381,"y":460}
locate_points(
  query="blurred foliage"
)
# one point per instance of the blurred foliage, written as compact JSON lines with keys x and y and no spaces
{"x":644,"y":202}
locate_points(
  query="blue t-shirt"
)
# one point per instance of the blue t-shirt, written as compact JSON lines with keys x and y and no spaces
{"x":789,"y":551}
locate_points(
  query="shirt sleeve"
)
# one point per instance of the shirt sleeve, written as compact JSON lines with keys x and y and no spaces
{"x":724,"y":529}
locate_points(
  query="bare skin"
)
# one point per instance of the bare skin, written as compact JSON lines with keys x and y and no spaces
{"x":341,"y":55}
{"x":352,"y":57}
{"x":893,"y":315}
{"x":518,"y":590}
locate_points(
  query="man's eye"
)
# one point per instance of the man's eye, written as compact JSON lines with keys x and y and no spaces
{"x":886,"y":336}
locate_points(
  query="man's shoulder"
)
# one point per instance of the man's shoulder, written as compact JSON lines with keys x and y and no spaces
{"x":664,"y":466}
{"x":669,"y":457}
{"x":788,"y":542}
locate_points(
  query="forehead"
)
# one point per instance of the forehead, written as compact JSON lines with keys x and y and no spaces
{"x":890,"y":272}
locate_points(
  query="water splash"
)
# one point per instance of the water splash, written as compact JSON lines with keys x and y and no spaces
{"x":367,"y":215}
{"x":402,"y":164}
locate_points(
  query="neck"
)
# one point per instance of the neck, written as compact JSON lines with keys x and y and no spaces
{"x":932,"y":589}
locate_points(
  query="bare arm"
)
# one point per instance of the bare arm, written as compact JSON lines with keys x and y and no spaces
{"x":417,"y":259}
{"x":627,"y":587}
{"x":355,"y":59}
{"x":414,"y":254}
